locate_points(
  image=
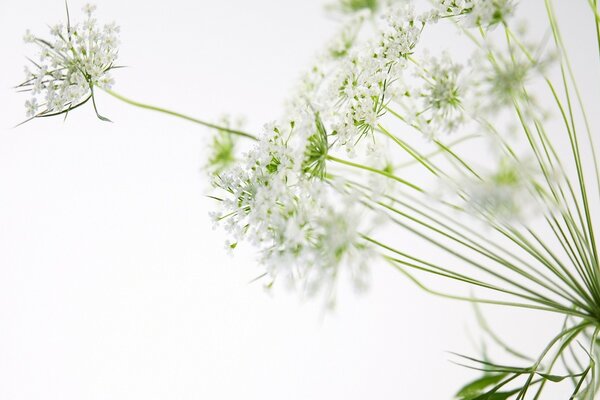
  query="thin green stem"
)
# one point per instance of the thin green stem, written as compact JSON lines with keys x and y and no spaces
{"x":573,"y":138}
{"x":413,"y":153}
{"x":594,"y":5}
{"x":485,"y":246}
{"x":537,"y":296}
{"x":376,"y":171}
{"x":178,"y":115}
{"x":395,"y":263}
{"x":442,"y":149}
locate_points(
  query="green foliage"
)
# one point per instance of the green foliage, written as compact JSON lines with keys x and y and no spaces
{"x":357,"y":5}
{"x":222,"y":153}
{"x":316,"y":151}
{"x":478,"y":387}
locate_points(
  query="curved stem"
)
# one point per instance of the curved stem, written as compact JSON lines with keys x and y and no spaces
{"x":178,"y":115}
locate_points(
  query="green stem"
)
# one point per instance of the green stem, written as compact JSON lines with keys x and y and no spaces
{"x":423,"y":159}
{"x":418,"y":157}
{"x":594,"y":5}
{"x":482,"y":244}
{"x":178,"y":115}
{"x":573,"y":138}
{"x":537,"y":297}
{"x":376,"y":171}
{"x":442,"y":148}
{"x":394,"y":262}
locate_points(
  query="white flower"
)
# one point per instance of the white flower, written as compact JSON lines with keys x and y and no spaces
{"x":488,"y":13}
{"x":505,"y":195}
{"x":453,"y":7}
{"x":484,"y":13}
{"x":73,"y":61}
{"x":303,"y":227}
{"x":351,"y":84}
{"x":28,"y":37}
{"x":500,"y":83}
{"x":32,"y":107}
{"x":344,"y":40}
{"x":434,"y":104}
{"x":362,"y":82}
{"x":89,"y":9}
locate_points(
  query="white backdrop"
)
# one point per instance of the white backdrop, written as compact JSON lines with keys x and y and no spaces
{"x":113,"y":284}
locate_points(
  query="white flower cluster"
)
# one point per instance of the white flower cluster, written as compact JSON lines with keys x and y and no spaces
{"x":484,"y":13}
{"x":222,"y":150}
{"x":74,"y":60}
{"x":344,"y":40}
{"x":311,"y":85}
{"x":360,"y":88}
{"x":352,"y":85}
{"x":453,"y":7}
{"x":506,"y":195}
{"x":305,"y":229}
{"x":432,"y":96}
{"x":500,"y":83}
{"x":279,"y":196}
{"x":488,"y":13}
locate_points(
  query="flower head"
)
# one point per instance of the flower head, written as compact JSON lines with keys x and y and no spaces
{"x":360,"y":85}
{"x":479,"y":13}
{"x":506,"y":194}
{"x":508,"y":78}
{"x":75,"y":59}
{"x":489,"y":13}
{"x":434,"y":100}
{"x":222,"y":149}
{"x":344,"y":40}
{"x":275,"y":199}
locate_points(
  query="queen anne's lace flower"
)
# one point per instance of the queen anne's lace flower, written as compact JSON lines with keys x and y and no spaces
{"x":223,"y":147}
{"x":343,"y":41}
{"x":504,"y":195}
{"x":304,"y":228}
{"x":358,"y":90}
{"x":432,"y":97}
{"x":352,"y":84}
{"x":499,"y":84}
{"x":74,"y":60}
{"x":280,"y":198}
{"x":488,"y":13}
{"x":484,"y":13}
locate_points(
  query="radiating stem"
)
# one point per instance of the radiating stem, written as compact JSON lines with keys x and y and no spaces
{"x":374,"y":170}
{"x":178,"y":115}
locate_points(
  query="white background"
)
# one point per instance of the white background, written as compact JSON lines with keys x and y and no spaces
{"x":113,"y":284}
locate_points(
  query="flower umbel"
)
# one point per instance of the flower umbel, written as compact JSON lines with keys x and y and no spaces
{"x":479,"y":13}
{"x":305,"y":229}
{"x":75,"y":59}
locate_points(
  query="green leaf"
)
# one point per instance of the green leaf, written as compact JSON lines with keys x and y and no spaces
{"x":557,"y":378}
{"x":101,"y":118}
{"x":476,"y":388}
{"x":496,"y":395}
